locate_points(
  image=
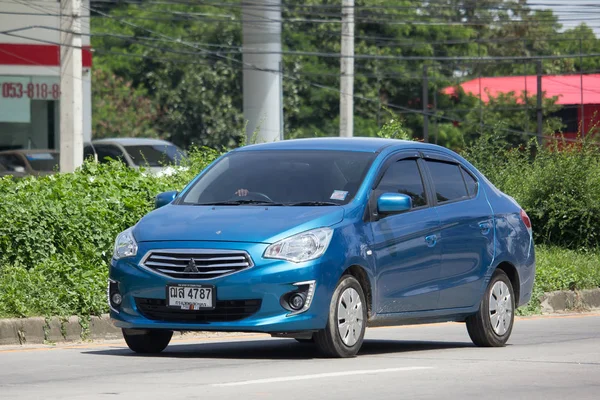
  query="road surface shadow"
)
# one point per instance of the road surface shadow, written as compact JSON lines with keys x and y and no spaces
{"x":278,"y":349}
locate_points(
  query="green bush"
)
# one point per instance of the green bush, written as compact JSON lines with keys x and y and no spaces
{"x":559,"y":188}
{"x":562,"y":269}
{"x":57,"y":232}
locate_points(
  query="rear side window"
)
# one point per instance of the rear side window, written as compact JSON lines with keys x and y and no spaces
{"x":471,"y":183}
{"x":448,"y":181}
{"x":404,"y":177}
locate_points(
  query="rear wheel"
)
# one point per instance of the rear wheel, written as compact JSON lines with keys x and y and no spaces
{"x":492,"y":325}
{"x":343,"y":336}
{"x":147,"y":341}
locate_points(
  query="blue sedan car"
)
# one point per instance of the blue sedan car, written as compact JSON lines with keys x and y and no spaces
{"x":316,"y":239}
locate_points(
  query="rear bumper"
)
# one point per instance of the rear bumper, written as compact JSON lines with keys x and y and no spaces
{"x":527,"y":277}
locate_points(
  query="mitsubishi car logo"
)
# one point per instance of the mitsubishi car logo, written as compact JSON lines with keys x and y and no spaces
{"x":191,"y":267}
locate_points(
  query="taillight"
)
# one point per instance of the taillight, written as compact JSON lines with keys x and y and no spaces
{"x":526,"y":220}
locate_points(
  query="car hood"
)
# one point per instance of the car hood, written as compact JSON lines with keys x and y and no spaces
{"x":253,"y":224}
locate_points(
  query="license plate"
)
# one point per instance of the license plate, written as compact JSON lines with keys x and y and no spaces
{"x":191,"y":297}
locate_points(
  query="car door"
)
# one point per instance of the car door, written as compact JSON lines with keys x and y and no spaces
{"x":404,"y":245}
{"x":466,"y":237}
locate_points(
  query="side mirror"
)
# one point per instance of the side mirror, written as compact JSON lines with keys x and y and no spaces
{"x":164,"y":198}
{"x":389,"y":203}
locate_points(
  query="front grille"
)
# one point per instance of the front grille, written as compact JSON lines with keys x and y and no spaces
{"x":197,"y":264}
{"x":225,"y":310}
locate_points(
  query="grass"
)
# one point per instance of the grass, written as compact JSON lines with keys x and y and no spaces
{"x":562,"y":269}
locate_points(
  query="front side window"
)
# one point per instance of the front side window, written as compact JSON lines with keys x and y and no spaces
{"x":448,"y":181}
{"x":285,"y":177}
{"x":109,"y":152}
{"x":404,"y":177}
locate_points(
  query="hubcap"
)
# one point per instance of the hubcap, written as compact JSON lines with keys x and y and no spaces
{"x":350,"y":317}
{"x":500,"y":308}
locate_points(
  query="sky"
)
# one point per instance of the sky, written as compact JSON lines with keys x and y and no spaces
{"x":573,"y":12}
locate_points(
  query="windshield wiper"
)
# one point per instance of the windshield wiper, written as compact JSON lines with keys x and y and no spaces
{"x":312,"y":203}
{"x":240,"y":203}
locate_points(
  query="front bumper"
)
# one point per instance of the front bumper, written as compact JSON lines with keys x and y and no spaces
{"x":267,"y":281}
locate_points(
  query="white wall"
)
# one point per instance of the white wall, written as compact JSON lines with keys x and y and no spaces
{"x":40,"y":36}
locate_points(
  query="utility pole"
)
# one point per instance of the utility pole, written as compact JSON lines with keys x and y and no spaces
{"x":539,"y":103}
{"x":581,"y":85}
{"x":261,"y":37}
{"x":425,"y":104}
{"x":71,"y":95}
{"x":347,"y":70}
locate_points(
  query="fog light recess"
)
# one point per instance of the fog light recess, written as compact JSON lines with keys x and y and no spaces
{"x":299,"y":300}
{"x":114,"y":295}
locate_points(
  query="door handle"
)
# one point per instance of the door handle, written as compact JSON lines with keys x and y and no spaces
{"x":431,"y":240}
{"x":485,"y":227}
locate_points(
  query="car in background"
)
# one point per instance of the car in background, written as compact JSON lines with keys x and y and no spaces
{"x":154,"y":154}
{"x":20,"y":163}
{"x":316,"y":239}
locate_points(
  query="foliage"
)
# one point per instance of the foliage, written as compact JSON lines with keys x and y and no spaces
{"x":56,"y":232}
{"x":562,"y":269}
{"x":393,"y":129}
{"x":187,"y":57}
{"x":121,"y":109}
{"x":559,"y":188}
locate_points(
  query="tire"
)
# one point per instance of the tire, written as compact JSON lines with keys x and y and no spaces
{"x":329,"y":341}
{"x":486,"y":330}
{"x":147,"y":342}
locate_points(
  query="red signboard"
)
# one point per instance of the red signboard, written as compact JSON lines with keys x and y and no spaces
{"x":37,"y":54}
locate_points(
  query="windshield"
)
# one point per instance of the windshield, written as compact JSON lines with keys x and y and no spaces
{"x":43,"y":161}
{"x":286,"y":177}
{"x":155,"y":155}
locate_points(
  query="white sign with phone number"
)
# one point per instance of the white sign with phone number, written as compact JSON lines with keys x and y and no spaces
{"x":34,"y":88}
{"x":16,"y":93}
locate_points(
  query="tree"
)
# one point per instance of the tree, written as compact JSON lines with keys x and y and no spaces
{"x":120,"y":109}
{"x":188,"y":59}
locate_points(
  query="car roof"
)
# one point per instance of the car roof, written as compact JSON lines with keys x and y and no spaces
{"x":132,"y":141}
{"x":357,"y":144}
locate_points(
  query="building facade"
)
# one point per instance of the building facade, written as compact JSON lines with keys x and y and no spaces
{"x":30,"y":74}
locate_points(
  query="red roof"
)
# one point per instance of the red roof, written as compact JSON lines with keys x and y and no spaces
{"x":566,"y":87}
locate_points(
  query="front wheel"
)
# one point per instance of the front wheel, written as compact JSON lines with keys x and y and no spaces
{"x":147,"y":341}
{"x":492,"y":325}
{"x":346,"y":324}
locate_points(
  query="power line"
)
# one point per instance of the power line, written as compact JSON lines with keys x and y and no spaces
{"x":314,"y":84}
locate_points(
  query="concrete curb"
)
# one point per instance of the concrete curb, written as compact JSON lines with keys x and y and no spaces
{"x":579,"y":300}
{"x":37,"y":330}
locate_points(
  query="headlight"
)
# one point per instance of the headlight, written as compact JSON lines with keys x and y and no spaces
{"x":125,"y":245}
{"x":304,"y":246}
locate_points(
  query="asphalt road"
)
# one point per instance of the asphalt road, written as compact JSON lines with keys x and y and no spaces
{"x":547,"y":358}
